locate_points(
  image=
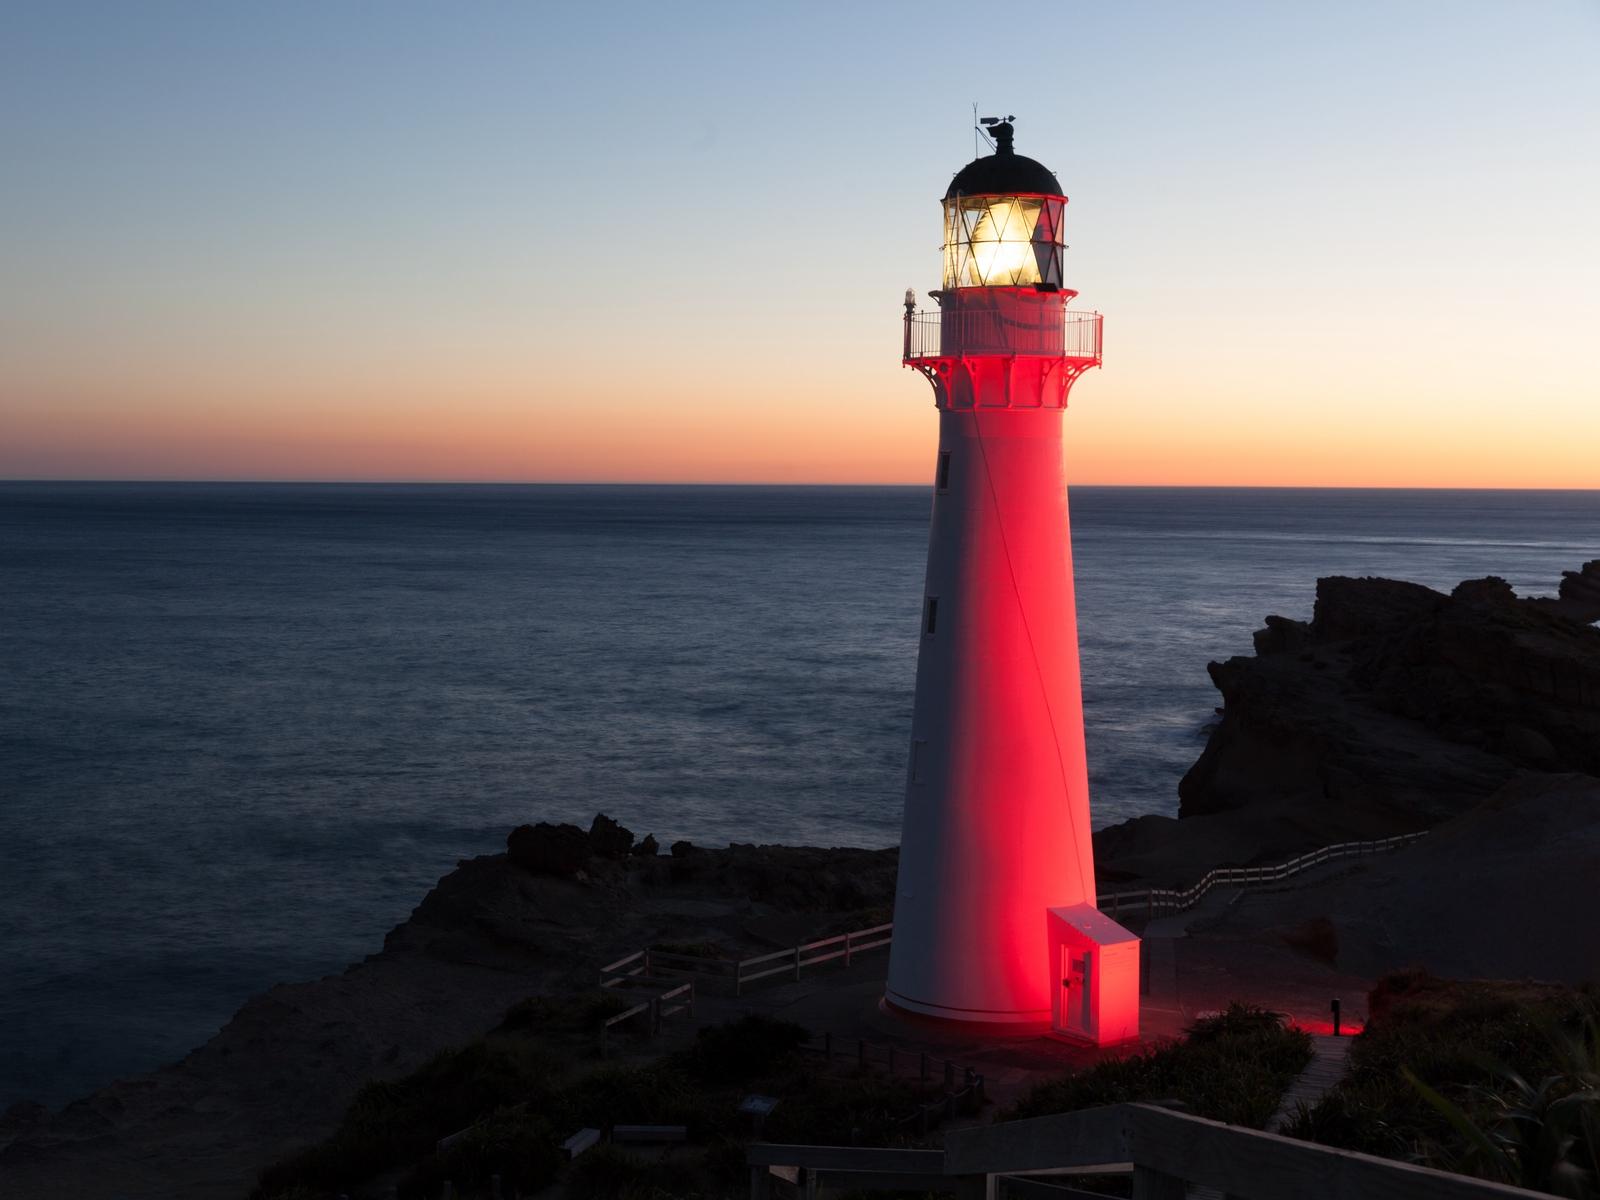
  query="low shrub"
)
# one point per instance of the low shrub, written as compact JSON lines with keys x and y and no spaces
{"x":864,"y":1110}
{"x":1472,"y":1043}
{"x":1231,"y":1067}
{"x":610,"y":1173}
{"x":398,"y":1121}
{"x":584,"y":1013}
{"x":657,"y":1094}
{"x":519,"y":1147}
{"x":746,"y":1049}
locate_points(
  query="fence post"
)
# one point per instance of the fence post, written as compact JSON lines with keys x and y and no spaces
{"x":797,"y":964}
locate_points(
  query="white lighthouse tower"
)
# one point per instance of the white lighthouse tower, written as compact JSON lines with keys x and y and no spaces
{"x":995,"y":920}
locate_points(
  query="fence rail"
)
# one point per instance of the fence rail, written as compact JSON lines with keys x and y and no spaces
{"x":654,"y":968}
{"x":665,"y":998}
{"x":1063,"y":334}
{"x":1160,"y":901}
{"x":1166,"y":1153}
{"x":654,"y":963}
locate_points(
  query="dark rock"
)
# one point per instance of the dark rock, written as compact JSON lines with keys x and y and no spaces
{"x":22,"y":1117}
{"x":1528,"y":745}
{"x":1581,"y":588}
{"x":608,"y":839}
{"x":685,"y":849}
{"x":1404,"y":707}
{"x":1489,"y":590}
{"x":547,"y":849}
{"x":1281,"y":636}
{"x":648,"y":847}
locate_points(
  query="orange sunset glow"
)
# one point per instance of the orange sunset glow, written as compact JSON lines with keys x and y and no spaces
{"x":1306,"y":281}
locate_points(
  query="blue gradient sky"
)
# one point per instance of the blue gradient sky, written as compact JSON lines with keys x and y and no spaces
{"x":1346,"y":243}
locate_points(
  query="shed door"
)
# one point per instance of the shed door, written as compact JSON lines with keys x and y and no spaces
{"x":1072,"y":1003}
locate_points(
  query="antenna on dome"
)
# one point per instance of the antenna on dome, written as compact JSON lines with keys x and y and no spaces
{"x":1000,"y":127}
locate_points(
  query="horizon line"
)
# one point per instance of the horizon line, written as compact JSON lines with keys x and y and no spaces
{"x":715,"y":483}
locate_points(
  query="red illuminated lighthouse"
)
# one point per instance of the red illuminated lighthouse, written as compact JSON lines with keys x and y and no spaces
{"x":995,"y":920}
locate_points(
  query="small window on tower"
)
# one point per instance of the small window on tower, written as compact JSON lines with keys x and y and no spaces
{"x":942,"y":477}
{"x":930,"y":614}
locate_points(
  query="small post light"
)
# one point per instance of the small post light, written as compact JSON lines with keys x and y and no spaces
{"x":758,"y":1108}
{"x":1335,"y":1007}
{"x":911,"y":301}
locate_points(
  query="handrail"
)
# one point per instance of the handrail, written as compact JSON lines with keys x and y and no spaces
{"x":1070,"y":333}
{"x":1170,"y":900}
{"x":790,"y":961}
{"x":642,"y":965}
{"x":1165,"y":1152}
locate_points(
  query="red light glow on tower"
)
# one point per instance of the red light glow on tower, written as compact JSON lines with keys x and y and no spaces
{"x":995,"y":920}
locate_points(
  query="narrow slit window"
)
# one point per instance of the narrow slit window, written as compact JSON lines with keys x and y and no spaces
{"x":942,"y":476}
{"x":930,"y":614}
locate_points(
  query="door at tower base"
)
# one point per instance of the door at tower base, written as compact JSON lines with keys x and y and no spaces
{"x":1096,"y":965}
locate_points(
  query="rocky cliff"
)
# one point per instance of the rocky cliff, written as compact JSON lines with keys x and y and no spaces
{"x":538,"y":919}
{"x":1394,"y":708}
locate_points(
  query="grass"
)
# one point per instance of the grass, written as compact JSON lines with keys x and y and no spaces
{"x":1232,"y":1067}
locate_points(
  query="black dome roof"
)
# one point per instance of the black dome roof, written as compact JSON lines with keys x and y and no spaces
{"x":1004,"y":171}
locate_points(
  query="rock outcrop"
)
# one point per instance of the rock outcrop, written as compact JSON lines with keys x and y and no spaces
{"x":1393,"y":709}
{"x":1402,"y":706}
{"x":546,"y":849}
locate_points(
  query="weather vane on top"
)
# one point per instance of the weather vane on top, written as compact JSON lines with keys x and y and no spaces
{"x":1000,"y":127}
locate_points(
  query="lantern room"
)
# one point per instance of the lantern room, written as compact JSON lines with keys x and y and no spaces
{"x":1003,"y":221}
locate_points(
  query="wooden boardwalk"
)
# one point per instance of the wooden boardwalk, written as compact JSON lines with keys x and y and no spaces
{"x":1330,"y":1061}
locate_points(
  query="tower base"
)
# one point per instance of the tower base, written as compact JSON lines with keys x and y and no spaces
{"x":969,"y":1021}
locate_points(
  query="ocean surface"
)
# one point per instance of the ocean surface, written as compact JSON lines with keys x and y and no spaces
{"x":244,"y":728}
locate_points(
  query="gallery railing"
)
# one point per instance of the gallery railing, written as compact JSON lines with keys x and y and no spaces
{"x":1068,"y":334}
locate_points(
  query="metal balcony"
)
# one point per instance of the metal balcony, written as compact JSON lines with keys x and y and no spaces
{"x":952,"y":333}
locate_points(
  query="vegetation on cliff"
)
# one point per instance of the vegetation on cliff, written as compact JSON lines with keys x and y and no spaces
{"x":1495,"y":1079}
{"x":1232,"y":1067}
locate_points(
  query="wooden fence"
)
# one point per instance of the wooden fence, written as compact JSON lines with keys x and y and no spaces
{"x":1165,"y":1153}
{"x":665,"y":998}
{"x":657,"y":965}
{"x":651,"y":963}
{"x":1155,"y":902}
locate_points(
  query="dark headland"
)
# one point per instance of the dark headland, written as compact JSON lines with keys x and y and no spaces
{"x":1394,"y":709}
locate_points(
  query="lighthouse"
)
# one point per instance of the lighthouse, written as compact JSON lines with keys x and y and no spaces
{"x":995,"y":922}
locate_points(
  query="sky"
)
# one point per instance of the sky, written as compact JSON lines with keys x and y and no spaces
{"x":1350,"y":244}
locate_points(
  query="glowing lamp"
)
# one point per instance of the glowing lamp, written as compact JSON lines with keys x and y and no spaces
{"x":1003,"y":222}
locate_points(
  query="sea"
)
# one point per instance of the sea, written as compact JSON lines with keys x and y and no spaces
{"x":244,"y":728}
